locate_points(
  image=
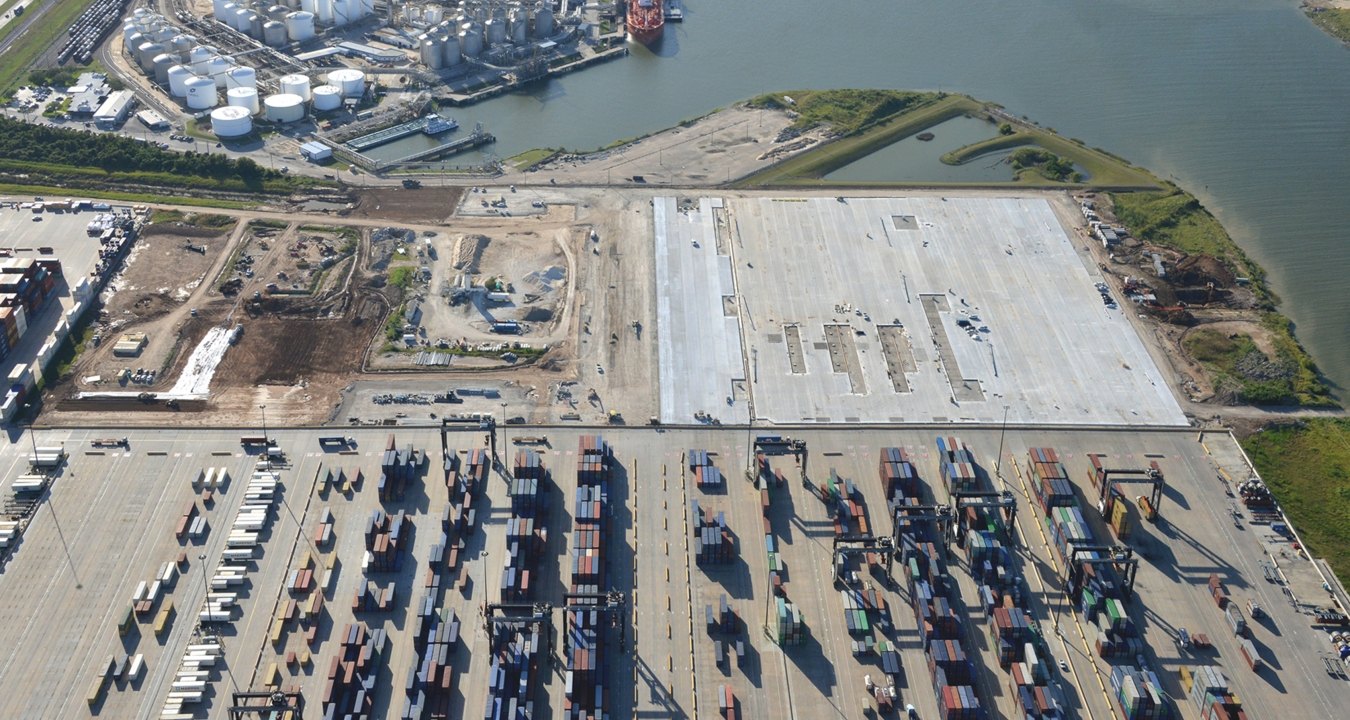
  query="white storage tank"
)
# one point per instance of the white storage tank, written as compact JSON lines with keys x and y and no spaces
{"x":201,"y":93}
{"x":128,"y":29}
{"x":351,"y":81}
{"x":517,"y":26}
{"x":274,"y":33}
{"x":164,"y":34}
{"x":226,"y":13}
{"x":277,"y":12}
{"x":231,"y":121}
{"x":181,"y":45}
{"x":178,"y":77}
{"x":255,"y":25}
{"x":135,"y":40}
{"x":296,"y":84}
{"x":309,"y":5}
{"x":284,"y":108}
{"x":244,"y":97}
{"x":198,"y":58}
{"x":433,"y":14}
{"x":216,"y":69}
{"x":240,"y":21}
{"x":327,"y":97}
{"x":145,"y":54}
{"x":300,"y":25}
{"x":452,"y":54}
{"x":218,"y":8}
{"x":471,"y":40}
{"x":323,"y":11}
{"x":161,"y":65}
{"x":241,"y":77}
{"x":433,"y":52}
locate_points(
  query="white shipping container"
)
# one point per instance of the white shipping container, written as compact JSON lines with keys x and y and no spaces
{"x":212,"y":648}
{"x":222,"y":476}
{"x":139,"y":595}
{"x":189,"y":685}
{"x":209,"y":478}
{"x":137,"y":666}
{"x":238,"y":553}
{"x":153,"y":595}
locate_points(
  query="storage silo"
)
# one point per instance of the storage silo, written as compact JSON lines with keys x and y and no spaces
{"x":274,"y":33}
{"x":178,"y":77}
{"x":284,"y":108}
{"x":309,"y":6}
{"x":240,"y":21}
{"x":241,"y":77}
{"x":277,"y":12}
{"x":226,"y":13}
{"x":255,"y":25}
{"x":300,"y":25}
{"x":160,"y":67}
{"x":201,"y":93}
{"x":517,"y":26}
{"x":433,"y":52}
{"x":471,"y":40}
{"x":452,"y":54}
{"x":351,"y":81}
{"x":216,"y":69}
{"x":494,"y":32}
{"x":130,"y":44}
{"x":323,"y":11}
{"x":244,"y":97}
{"x":231,"y":122}
{"x":296,"y":84}
{"x":327,"y":97}
{"x":433,"y":14}
{"x":543,"y":21}
{"x":164,"y":34}
{"x":218,"y":8}
{"x":145,"y":54}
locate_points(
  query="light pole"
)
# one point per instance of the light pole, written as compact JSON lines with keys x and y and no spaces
{"x":266,"y":441}
{"x":998,"y":462}
{"x":506,"y":451}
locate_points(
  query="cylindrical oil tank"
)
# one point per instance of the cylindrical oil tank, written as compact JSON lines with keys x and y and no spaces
{"x":309,"y":6}
{"x":433,"y":14}
{"x":216,"y":69}
{"x":201,"y":93}
{"x":543,"y":21}
{"x":327,"y":97}
{"x":226,"y":13}
{"x":218,"y":8}
{"x":296,"y":84}
{"x":160,"y":66}
{"x":494,"y":31}
{"x":146,"y":52}
{"x":433,"y":52}
{"x":277,"y":12}
{"x":241,"y":77}
{"x":323,"y":11}
{"x":351,"y":81}
{"x":244,"y":97}
{"x":139,"y":13}
{"x":178,"y":77}
{"x":164,"y":34}
{"x":181,"y":45}
{"x":255,"y":25}
{"x":231,"y":121}
{"x":130,"y":44}
{"x":300,"y":25}
{"x":274,"y":33}
{"x":471,"y":40}
{"x":128,"y":29}
{"x":198,"y":58}
{"x":240,"y":21}
{"x":284,"y":108}
{"x":452,"y":53}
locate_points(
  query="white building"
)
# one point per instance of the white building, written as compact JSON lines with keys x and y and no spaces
{"x":316,"y":151}
{"x":115,"y":109}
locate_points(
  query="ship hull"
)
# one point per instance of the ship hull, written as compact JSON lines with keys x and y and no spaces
{"x":645,"y":24}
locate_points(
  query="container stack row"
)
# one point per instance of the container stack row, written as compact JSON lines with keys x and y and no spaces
{"x":586,"y":619}
{"x":430,"y":680}
{"x":517,"y":653}
{"x":399,"y":467}
{"x":786,"y":626}
{"x":957,"y":464}
{"x":1207,"y":689}
{"x":713,"y":542}
{"x":385,"y":537}
{"x":706,"y":475}
{"x":26,"y":286}
{"x":928,"y":585}
{"x":1138,"y":694}
{"x":849,"y":510}
{"x":353,"y":673}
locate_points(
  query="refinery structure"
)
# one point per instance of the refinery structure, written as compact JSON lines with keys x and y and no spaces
{"x":352,"y":67}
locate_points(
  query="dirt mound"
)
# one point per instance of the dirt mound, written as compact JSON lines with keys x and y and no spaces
{"x":468,"y":252}
{"x":1202,"y":270}
{"x":545,"y":281}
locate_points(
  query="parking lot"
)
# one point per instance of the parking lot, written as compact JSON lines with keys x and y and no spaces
{"x":109,"y":520}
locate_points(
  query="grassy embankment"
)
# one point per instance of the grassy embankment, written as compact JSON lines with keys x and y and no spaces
{"x":1334,"y":21}
{"x":869,"y":120}
{"x":200,"y":220}
{"x":43,"y":34}
{"x":1176,"y":219}
{"x":1307,"y":466}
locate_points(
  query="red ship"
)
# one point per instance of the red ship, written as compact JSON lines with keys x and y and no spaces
{"x":646,"y":18}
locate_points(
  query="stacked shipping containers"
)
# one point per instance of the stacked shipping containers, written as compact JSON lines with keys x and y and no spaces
{"x":26,"y":285}
{"x":706,"y":475}
{"x":957,"y":464}
{"x":398,"y":468}
{"x":1139,"y":694}
{"x":430,"y":679}
{"x":585,"y":619}
{"x":384,"y":537}
{"x":353,"y":672}
{"x":785,"y":619}
{"x":712,"y":538}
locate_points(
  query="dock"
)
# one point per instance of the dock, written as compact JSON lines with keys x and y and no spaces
{"x":387,"y":135}
{"x":477,"y":139}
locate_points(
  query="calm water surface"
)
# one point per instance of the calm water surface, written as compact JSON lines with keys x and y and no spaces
{"x":1244,"y":102}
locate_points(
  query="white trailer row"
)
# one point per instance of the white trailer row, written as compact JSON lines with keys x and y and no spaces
{"x":211,"y":478}
{"x":9,"y":532}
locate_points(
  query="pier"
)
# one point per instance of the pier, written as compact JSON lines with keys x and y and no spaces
{"x":477,"y":139}
{"x":387,"y":135}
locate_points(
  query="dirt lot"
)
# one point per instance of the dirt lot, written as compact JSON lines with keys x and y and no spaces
{"x":430,"y":205}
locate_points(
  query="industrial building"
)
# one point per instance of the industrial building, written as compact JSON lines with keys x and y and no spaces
{"x":114,"y":111}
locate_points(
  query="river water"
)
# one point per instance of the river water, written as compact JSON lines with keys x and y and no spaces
{"x":1243,"y":102}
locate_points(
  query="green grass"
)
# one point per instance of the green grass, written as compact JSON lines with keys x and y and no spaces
{"x":1296,"y":383}
{"x":56,"y":110}
{"x":46,"y":33}
{"x":201,"y":220}
{"x":1307,"y":466}
{"x":530,"y":158}
{"x":1335,"y":21}
{"x":265,"y":223}
{"x":1308,"y":387}
{"x":70,"y":350}
{"x":846,"y":111}
{"x":126,"y":197}
{"x":1218,"y":350}
{"x":401,"y":277}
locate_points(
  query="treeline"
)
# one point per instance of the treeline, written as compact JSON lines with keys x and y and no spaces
{"x":22,"y":142}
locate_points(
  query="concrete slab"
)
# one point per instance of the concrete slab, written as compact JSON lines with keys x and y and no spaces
{"x":1026,"y":328}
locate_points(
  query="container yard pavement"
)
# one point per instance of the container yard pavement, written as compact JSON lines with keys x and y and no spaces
{"x":919,"y":309}
{"x":108,"y":523}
